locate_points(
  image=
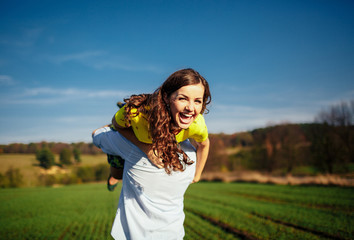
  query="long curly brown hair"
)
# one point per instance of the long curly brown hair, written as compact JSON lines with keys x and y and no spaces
{"x":161,"y":126}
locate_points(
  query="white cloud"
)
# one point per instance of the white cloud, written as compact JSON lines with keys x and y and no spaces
{"x":80,"y":57}
{"x":47,"y":95}
{"x":345,"y":97}
{"x":234,"y":118}
{"x":118,"y":64}
{"x":64,"y":128}
{"x":100,"y":60}
{"x":230,"y":118}
{"x":27,"y":38}
{"x":6,"y":80}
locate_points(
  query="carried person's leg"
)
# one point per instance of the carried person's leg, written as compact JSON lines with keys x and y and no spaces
{"x":117,"y":165}
{"x":113,"y":179}
{"x":116,"y":171}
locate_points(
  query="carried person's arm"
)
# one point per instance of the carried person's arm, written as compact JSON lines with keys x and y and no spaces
{"x":202,"y":156}
{"x":120,"y":116}
{"x":94,"y":131}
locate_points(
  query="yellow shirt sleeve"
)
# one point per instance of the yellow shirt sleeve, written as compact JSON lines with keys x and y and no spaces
{"x":120,"y":118}
{"x":138,"y":122}
{"x":197,"y":130}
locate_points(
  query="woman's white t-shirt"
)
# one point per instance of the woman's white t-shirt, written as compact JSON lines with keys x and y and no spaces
{"x":151,"y":201}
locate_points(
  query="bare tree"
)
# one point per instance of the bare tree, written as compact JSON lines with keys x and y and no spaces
{"x":283,"y":143}
{"x":334,"y":139}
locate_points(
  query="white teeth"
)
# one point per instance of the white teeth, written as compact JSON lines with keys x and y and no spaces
{"x":187,"y":115}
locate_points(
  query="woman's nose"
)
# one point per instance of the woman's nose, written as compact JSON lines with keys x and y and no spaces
{"x":190,"y":107}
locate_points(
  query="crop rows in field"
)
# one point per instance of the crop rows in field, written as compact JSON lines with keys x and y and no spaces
{"x":254,"y":211}
{"x":213,"y":211}
{"x":72,"y":212}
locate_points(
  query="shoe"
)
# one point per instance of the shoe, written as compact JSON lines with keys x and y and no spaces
{"x":120,"y":104}
{"x":109,"y":186}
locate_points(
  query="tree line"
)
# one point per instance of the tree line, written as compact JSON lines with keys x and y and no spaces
{"x":54,"y":147}
{"x":324,"y":146}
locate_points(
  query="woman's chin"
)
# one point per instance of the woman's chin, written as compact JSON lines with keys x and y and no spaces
{"x":184,"y":125}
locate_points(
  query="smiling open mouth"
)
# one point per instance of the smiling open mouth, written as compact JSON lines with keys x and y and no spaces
{"x":185,"y":118}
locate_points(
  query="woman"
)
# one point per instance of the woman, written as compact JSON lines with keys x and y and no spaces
{"x":159,"y":160}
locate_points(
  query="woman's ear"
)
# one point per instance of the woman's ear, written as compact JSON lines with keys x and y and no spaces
{"x":167,"y":102}
{"x":166,"y":99}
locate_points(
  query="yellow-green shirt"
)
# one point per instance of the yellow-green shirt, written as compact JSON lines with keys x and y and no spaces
{"x":197,"y":130}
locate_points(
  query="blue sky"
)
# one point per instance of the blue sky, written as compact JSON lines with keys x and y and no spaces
{"x":64,"y":64}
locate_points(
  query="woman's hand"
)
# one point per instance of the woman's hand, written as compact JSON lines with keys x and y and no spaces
{"x":196,"y":179}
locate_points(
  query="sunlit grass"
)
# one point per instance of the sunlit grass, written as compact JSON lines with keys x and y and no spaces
{"x":213,"y":211}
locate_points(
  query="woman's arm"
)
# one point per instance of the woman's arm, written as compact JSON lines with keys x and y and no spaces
{"x":202,"y":156}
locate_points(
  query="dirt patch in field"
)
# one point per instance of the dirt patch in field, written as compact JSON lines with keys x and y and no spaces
{"x":54,"y":170}
{"x":250,"y":176}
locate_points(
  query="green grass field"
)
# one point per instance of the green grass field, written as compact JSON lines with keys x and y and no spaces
{"x":213,"y":211}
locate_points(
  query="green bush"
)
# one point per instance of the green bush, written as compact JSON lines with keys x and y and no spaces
{"x":12,"y":178}
{"x":95,"y":173}
{"x":68,"y":179}
{"x":86,"y":174}
{"x":101,"y":172}
{"x":47,"y":180}
{"x":65,"y":157}
{"x":4,"y":181}
{"x":77,"y":155}
{"x":45,"y":158}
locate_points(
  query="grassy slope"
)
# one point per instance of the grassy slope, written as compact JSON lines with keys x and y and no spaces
{"x":30,"y":170}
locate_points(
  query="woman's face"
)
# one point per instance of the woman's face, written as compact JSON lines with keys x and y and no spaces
{"x":186,"y":104}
